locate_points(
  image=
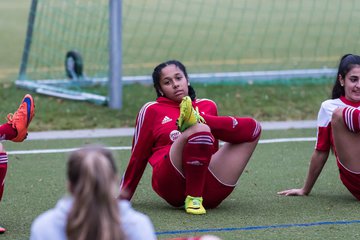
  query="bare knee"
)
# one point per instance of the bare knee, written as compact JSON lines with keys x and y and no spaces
{"x":337,"y":117}
{"x":200,"y":127}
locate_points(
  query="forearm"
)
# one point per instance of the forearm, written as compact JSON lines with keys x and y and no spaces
{"x":317,"y":163}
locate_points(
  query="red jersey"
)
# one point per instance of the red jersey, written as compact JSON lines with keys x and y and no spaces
{"x":325,"y":139}
{"x":155,"y":131}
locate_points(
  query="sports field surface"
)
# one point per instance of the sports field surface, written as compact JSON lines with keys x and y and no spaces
{"x":36,"y":179}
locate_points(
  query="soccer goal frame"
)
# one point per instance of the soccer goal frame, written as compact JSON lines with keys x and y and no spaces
{"x":62,"y":87}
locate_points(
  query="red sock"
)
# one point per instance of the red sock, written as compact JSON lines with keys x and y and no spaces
{"x":351,"y":119}
{"x":196,"y":157}
{"x":7,"y":132}
{"x":3,"y":169}
{"x":233,"y":129}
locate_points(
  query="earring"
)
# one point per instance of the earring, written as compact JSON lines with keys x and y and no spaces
{"x":342,"y":84}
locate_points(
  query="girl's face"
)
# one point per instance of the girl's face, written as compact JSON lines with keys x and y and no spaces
{"x":173,"y":83}
{"x":351,"y":84}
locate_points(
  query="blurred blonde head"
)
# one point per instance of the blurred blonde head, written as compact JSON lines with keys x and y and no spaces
{"x":93,"y":181}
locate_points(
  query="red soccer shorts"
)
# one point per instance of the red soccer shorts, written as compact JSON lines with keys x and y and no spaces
{"x":169,"y":184}
{"x":350,"y":179}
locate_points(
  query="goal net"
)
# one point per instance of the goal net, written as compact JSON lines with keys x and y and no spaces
{"x":218,"y":40}
{"x":66,"y":51}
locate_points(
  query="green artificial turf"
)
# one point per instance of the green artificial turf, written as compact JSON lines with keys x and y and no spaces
{"x":253,"y":211}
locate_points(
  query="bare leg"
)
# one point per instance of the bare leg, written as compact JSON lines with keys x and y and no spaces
{"x":347,"y":143}
{"x":228,"y":163}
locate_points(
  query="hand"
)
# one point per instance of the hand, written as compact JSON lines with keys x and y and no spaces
{"x":293,"y":192}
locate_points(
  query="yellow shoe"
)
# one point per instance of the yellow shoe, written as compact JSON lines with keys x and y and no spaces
{"x":21,"y":119}
{"x":193,"y":205}
{"x":188,"y":115}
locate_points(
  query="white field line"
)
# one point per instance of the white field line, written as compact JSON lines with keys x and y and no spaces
{"x":121,"y":148}
{"x":116,"y":132}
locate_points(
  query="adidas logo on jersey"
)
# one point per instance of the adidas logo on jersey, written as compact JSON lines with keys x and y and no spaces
{"x":166,"y":120}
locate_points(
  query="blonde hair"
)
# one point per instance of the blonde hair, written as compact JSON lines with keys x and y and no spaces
{"x":91,"y":172}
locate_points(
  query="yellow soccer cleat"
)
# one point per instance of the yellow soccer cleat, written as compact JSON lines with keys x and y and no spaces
{"x":188,"y":115}
{"x":193,"y":205}
{"x":21,"y":119}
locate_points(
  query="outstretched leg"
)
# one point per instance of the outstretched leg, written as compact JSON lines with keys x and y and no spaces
{"x":21,"y":119}
{"x":16,"y":128}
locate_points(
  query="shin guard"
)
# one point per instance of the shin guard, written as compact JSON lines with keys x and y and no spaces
{"x":197,"y":153}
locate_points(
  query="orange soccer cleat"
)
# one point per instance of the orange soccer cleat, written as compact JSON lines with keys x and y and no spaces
{"x":21,"y":119}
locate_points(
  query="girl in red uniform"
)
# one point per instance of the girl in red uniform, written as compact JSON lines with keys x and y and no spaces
{"x":338,"y":128}
{"x":14,"y":130}
{"x":181,"y":145}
